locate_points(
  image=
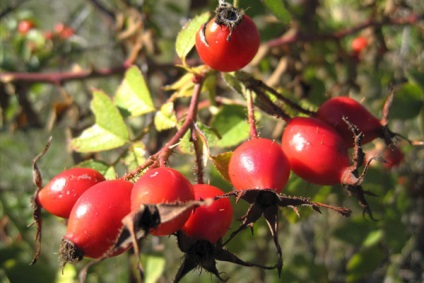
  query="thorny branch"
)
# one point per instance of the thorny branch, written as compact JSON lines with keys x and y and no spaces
{"x":163,"y":155}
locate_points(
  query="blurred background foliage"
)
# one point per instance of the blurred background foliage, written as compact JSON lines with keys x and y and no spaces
{"x":317,"y":64}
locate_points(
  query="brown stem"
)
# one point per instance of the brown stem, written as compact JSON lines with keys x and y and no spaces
{"x":256,"y":84}
{"x":58,"y":78}
{"x":197,"y":144}
{"x":251,"y":115}
{"x":298,"y":37}
{"x":266,"y":104}
{"x":387,"y":105}
{"x":166,"y":151}
{"x":162,"y":155}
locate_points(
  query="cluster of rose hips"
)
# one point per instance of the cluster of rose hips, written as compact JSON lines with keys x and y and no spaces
{"x":107,"y":217}
{"x":60,"y":30}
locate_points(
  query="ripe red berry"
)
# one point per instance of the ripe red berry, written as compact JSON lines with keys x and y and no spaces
{"x":359,"y":43}
{"x":25,"y":26}
{"x":163,"y":185}
{"x":60,"y":194}
{"x":333,"y":110}
{"x":259,"y":164}
{"x":63,"y":31}
{"x":229,"y":41}
{"x":96,"y":220}
{"x":209,"y":222}
{"x":316,"y":152}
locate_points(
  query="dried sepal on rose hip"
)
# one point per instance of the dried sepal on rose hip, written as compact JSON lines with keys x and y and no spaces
{"x":229,"y":41}
{"x":163,"y":185}
{"x":333,"y":110}
{"x":146,"y":218}
{"x":201,"y":236}
{"x":266,"y":203}
{"x":318,"y":154}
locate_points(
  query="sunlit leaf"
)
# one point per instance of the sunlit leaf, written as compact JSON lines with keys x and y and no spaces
{"x":221,"y":162}
{"x":165,"y":119}
{"x":187,"y":36}
{"x":108,"y":132}
{"x":135,"y":156}
{"x":133,"y":96}
{"x":154,"y":266}
{"x":231,"y":123}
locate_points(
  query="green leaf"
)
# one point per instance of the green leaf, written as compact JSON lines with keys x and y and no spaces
{"x":373,"y":238}
{"x":278,"y":9}
{"x":133,"y":96}
{"x":135,"y":156}
{"x":363,"y":263}
{"x":153,"y":266}
{"x":107,"y":170}
{"x":416,"y":77}
{"x":187,"y":36}
{"x":232,"y":125}
{"x":67,"y":275}
{"x":233,"y":82}
{"x":183,"y":87}
{"x":165,"y":119}
{"x":221,"y":162}
{"x":407,"y":102}
{"x":185,"y":145}
{"x":108,"y":132}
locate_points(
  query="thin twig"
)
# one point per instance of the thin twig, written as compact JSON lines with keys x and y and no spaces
{"x":251,"y":115}
{"x":301,"y":37}
{"x":58,"y":78}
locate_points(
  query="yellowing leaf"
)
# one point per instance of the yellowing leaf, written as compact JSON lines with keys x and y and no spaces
{"x":165,"y":118}
{"x":187,"y":36}
{"x":133,"y":96}
{"x":221,"y":162}
{"x":108,"y":132}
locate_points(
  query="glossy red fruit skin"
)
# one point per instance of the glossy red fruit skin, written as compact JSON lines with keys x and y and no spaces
{"x":163,"y":185}
{"x":259,"y":164}
{"x":333,"y":110}
{"x":359,"y":43}
{"x":96,"y":219}
{"x":61,"y":193}
{"x":316,"y":152}
{"x":211,"y":222}
{"x":228,"y":56}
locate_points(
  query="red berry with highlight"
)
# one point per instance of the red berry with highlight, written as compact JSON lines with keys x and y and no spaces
{"x":316,"y":152}
{"x":259,"y":164}
{"x":61,"y":193}
{"x":96,"y":220}
{"x":228,"y":42}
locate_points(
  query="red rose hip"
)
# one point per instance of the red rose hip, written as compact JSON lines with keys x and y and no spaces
{"x":259,"y":164}
{"x":96,"y":220}
{"x":163,"y":185}
{"x":60,"y":194}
